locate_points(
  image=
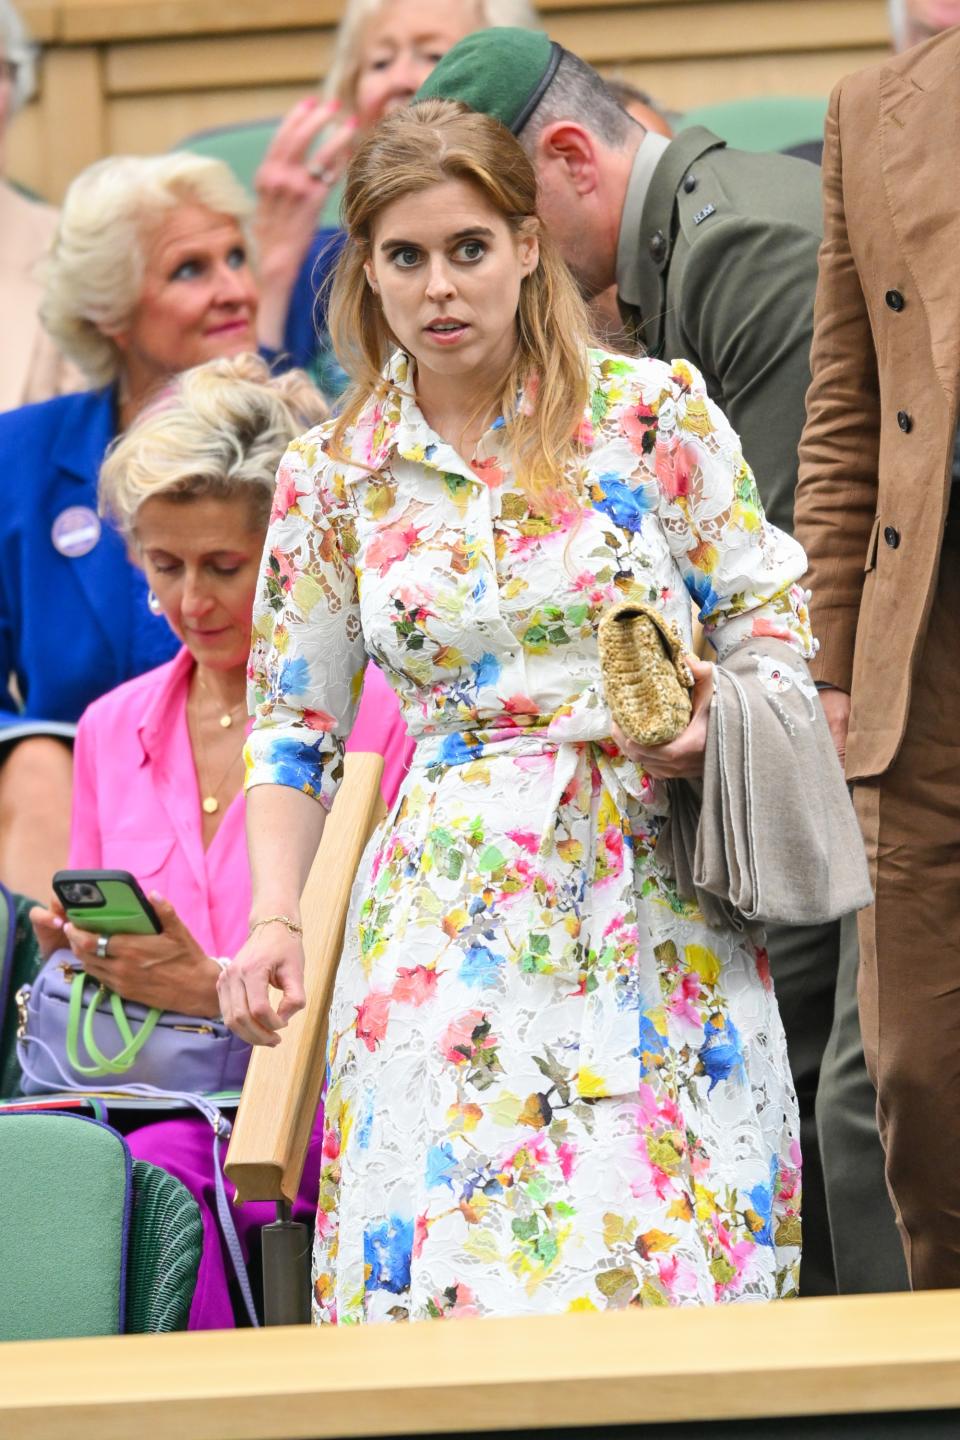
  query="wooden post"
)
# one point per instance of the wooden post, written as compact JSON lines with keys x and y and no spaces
{"x":73,"y":116}
{"x":282,"y":1089}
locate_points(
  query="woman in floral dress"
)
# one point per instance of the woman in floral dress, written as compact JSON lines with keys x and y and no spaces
{"x":551,"y":1086}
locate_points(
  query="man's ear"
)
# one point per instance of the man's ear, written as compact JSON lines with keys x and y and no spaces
{"x":566,"y":144}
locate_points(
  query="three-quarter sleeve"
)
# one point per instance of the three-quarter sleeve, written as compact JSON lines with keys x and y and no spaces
{"x":741,"y":571}
{"x":307,"y":656}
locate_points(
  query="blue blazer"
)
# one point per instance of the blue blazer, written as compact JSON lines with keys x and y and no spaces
{"x":74,"y":620}
{"x":305,"y":341}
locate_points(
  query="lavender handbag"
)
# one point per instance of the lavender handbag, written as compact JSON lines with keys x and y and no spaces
{"x":74,"y":1034}
{"x":73,"y":1031}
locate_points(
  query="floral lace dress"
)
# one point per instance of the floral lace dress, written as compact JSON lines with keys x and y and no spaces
{"x":551,"y":1086}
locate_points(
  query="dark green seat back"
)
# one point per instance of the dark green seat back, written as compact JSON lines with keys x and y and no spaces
{"x":25,"y":963}
{"x":166,"y":1237}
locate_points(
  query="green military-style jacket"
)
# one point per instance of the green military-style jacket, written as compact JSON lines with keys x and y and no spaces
{"x":717,"y":264}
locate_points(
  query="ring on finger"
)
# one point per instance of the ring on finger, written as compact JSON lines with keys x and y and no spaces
{"x":103,"y":947}
{"x":323,"y":173}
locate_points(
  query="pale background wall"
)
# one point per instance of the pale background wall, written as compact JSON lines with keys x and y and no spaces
{"x":137,"y":75}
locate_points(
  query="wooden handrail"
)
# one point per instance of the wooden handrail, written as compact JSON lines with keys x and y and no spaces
{"x":855,"y":1355}
{"x":282,"y":1089}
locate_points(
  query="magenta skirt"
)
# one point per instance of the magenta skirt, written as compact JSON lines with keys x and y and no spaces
{"x":184,"y":1148}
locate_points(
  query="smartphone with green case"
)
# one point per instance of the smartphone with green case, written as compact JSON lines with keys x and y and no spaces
{"x":109,"y":902}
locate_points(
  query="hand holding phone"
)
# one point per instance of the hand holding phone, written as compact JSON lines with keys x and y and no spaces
{"x":109,"y":902}
{"x":162,"y":964}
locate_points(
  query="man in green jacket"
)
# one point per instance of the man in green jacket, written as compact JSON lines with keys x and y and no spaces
{"x":713,"y":251}
{"x":714,"y":255}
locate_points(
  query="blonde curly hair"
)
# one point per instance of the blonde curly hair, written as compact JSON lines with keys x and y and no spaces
{"x":219,"y":429}
{"x":94,"y":275}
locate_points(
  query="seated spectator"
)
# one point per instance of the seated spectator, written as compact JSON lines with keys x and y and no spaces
{"x":384,"y":50}
{"x":641,"y":105}
{"x":148,"y":275}
{"x":31,"y":366}
{"x":159,"y":765}
{"x":913,"y":21}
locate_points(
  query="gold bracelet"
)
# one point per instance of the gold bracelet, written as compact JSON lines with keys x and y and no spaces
{"x":291,"y":925}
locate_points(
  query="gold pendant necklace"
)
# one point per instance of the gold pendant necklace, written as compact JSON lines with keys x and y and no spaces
{"x":225,"y":720}
{"x":209,"y":802}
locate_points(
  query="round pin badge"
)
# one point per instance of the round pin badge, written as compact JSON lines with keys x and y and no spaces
{"x":76,"y":531}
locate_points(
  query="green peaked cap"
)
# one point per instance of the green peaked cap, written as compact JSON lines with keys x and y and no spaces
{"x":501,"y":72}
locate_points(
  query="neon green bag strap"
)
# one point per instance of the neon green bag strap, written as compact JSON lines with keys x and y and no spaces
{"x":132,"y":1044}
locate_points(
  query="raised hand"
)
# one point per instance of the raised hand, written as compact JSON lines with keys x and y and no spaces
{"x":292,"y":186}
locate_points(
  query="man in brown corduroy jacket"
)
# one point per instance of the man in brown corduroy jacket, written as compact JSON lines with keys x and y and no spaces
{"x":878,"y":511}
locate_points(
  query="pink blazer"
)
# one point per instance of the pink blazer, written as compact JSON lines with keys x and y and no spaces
{"x":136,"y":805}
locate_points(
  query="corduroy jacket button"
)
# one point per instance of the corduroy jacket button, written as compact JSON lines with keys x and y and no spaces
{"x":904,"y":421}
{"x":891,"y":537}
{"x":658,"y":246}
{"x":689,"y":184}
{"x":894,"y":299}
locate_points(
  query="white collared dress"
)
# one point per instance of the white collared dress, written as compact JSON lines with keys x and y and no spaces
{"x":551,"y":1085}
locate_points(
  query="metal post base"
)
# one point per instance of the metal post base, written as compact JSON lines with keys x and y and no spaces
{"x":286,"y":1270}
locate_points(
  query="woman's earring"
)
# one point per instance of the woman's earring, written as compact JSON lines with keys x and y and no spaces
{"x":153,"y":604}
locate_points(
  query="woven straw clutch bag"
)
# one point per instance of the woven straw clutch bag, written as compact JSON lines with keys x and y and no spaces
{"x":645,"y":677}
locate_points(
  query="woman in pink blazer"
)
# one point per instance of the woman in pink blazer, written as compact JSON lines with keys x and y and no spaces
{"x":158,"y":761}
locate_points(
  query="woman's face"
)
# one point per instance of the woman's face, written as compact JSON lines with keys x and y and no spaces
{"x":198,"y":300}
{"x":202,"y":559}
{"x":399,"y":47}
{"x":448,"y":269}
{"x":929,"y":17}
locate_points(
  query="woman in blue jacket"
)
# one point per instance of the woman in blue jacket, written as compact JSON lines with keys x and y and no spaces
{"x":149,"y":276}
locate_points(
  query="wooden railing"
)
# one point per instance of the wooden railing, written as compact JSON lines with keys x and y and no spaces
{"x":282,"y":1089}
{"x":136,"y":76}
{"x":895,"y":1356}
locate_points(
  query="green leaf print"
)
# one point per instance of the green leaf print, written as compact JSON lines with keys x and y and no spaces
{"x":546,"y":1249}
{"x":527,"y":1229}
{"x":490,"y":859}
{"x":722,"y":1270}
{"x":598,"y":406}
{"x":454,"y":864}
{"x":456,"y":484}
{"x":617,"y":1284}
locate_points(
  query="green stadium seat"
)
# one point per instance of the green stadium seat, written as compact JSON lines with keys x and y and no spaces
{"x":766,"y":122}
{"x":90,"y":1244}
{"x":241,"y":146}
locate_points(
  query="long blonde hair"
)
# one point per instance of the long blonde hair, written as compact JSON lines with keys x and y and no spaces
{"x":545,"y":389}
